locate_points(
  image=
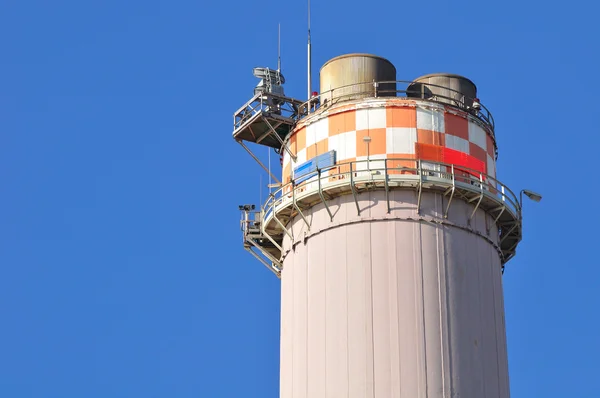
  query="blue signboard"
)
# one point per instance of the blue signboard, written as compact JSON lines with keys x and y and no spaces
{"x":309,"y":168}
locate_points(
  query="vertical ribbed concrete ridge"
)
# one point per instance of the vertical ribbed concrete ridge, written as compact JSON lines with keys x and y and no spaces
{"x":404,"y":304}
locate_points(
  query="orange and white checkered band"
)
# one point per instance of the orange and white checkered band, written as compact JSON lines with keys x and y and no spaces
{"x":398,"y":128}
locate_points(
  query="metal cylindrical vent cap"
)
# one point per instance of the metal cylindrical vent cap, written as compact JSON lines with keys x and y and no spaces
{"x":444,"y":87}
{"x":351,"y":76}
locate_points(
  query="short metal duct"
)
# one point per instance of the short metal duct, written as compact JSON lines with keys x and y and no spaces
{"x":444,"y":87}
{"x":352,"y":76}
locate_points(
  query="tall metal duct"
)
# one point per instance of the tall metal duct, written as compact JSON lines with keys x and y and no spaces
{"x":352,"y":76}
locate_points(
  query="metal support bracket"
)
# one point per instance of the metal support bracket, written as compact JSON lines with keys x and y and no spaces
{"x":323,"y":197}
{"x":280,"y":140}
{"x":506,"y":235}
{"x":258,"y":161}
{"x":268,"y":132}
{"x":513,"y":247}
{"x":264,"y":252}
{"x":272,"y":267}
{"x":451,"y":191}
{"x":480,"y":196}
{"x":298,"y":208}
{"x":501,"y":209}
{"x":282,"y":226}
{"x":353,"y":188}
{"x":264,"y":233}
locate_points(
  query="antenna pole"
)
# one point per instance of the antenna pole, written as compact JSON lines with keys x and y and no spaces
{"x":309,"y":56}
{"x":269,"y":153}
{"x":279,"y":48}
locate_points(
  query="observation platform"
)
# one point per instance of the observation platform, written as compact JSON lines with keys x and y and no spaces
{"x":266,"y":119}
{"x":264,"y":230}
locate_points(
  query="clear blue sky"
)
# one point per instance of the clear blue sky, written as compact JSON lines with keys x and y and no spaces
{"x":121,"y":267}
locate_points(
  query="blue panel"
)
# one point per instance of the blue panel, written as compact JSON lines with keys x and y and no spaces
{"x":304,"y":168}
{"x":309,"y":168}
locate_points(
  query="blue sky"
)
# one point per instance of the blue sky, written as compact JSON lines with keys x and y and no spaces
{"x":121,"y":267}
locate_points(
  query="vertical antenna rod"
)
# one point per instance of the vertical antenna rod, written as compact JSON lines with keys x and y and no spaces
{"x":309,"y":54}
{"x":279,"y":48}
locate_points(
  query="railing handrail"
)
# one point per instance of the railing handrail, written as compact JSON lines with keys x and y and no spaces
{"x":483,"y":114}
{"x":258,"y":103}
{"x":506,"y":194}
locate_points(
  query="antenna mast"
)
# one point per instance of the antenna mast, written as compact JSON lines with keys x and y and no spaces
{"x":279,"y":48}
{"x":309,"y":55}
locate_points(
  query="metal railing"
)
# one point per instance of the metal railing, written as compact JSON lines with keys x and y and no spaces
{"x":398,"y":88}
{"x":453,"y":181}
{"x":295,"y":109}
{"x":384,"y":171}
{"x":250,"y":222}
{"x":266,"y":102}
